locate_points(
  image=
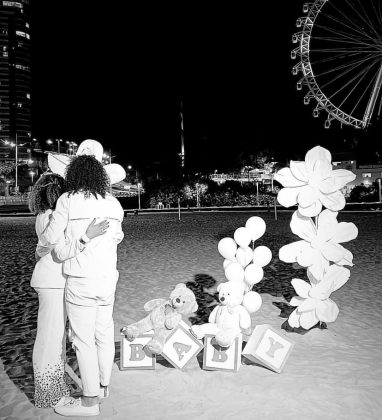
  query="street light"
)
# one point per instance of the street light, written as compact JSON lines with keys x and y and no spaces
{"x":32,"y":174}
{"x":50,"y":141}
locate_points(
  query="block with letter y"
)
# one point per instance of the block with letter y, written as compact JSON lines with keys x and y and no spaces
{"x":268,"y":347}
{"x":134,"y":354}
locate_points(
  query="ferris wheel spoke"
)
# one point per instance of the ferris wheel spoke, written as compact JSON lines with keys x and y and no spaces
{"x":341,"y":55}
{"x":344,"y":73}
{"x":353,"y":27}
{"x":366,"y":19}
{"x":351,"y":65}
{"x":364,"y":93}
{"x":356,"y":40}
{"x":360,"y":76}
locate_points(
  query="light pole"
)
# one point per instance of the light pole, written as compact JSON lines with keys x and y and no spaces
{"x":32,"y":173}
{"x":50,"y":141}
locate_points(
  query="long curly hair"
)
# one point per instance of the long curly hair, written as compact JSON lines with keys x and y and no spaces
{"x":86,"y":174}
{"x":46,"y":192}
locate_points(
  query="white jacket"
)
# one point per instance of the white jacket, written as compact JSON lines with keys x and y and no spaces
{"x":72,"y":216}
{"x":48,"y":271}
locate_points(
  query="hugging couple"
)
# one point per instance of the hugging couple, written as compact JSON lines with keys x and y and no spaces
{"x":79,"y":225}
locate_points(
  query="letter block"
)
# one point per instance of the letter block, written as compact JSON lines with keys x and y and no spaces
{"x":268,"y":347}
{"x":222,"y":358}
{"x":181,"y":346}
{"x":134,"y":354}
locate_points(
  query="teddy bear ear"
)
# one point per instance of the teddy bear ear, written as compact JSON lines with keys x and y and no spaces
{"x":219,"y":287}
{"x":195,"y":307}
{"x":180,"y":286}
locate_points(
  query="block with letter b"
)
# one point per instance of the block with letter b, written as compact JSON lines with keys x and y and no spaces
{"x":222,"y":358}
{"x":268,"y":347}
{"x":134,"y":354}
{"x":181,"y":346}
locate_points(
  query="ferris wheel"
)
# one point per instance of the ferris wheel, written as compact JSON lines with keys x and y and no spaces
{"x":339,"y":55}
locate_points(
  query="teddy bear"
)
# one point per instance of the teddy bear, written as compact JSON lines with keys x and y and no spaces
{"x":229,"y":318}
{"x":164,"y":316}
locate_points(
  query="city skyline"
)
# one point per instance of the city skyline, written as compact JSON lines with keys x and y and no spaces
{"x":120,"y":77}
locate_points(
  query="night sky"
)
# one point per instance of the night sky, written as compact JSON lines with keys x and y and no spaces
{"x":116,"y":73}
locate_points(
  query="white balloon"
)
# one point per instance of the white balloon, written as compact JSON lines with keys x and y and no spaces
{"x":256,"y":227}
{"x":227,"y":261}
{"x":253,"y":274}
{"x":234,"y":272}
{"x":244,"y":255}
{"x":262,"y":255}
{"x":242,"y":237}
{"x":252,"y":302}
{"x":227,"y":248}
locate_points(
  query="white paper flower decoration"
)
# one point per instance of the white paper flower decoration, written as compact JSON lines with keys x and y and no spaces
{"x":313,"y":303}
{"x":321,"y":245}
{"x":313,"y":183}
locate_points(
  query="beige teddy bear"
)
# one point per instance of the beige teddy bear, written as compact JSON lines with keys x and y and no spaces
{"x":228,"y":319}
{"x":164,"y":316}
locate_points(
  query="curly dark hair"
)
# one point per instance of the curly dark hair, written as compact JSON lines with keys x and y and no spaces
{"x":46,"y":192}
{"x":86,"y":174}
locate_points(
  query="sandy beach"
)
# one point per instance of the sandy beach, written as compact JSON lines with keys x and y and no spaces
{"x":335,"y":373}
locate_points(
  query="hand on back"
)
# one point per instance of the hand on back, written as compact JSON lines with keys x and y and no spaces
{"x":95,"y":230}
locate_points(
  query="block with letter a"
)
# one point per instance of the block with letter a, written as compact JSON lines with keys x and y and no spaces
{"x":181,"y":346}
{"x":268,"y":347}
{"x":134,"y":354}
{"x":222,"y":358}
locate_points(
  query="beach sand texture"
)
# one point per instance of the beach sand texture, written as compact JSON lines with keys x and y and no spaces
{"x":333,"y":374}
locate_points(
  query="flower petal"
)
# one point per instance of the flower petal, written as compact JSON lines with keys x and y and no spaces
{"x":299,"y":170}
{"x":302,"y":287}
{"x":296,"y":301}
{"x":288,"y":253}
{"x":337,"y":276}
{"x":332,"y":251}
{"x":307,"y":257}
{"x":327,"y":224}
{"x":313,"y":280}
{"x":308,"y":319}
{"x":287,"y":197}
{"x":317,"y":153}
{"x":345,"y":232}
{"x":294,"y":319}
{"x":338,"y":179}
{"x":322,"y":290}
{"x":327,"y":310}
{"x":303,"y":226}
{"x":307,"y":196}
{"x":286,"y":178}
{"x":322,"y":169}
{"x":318,"y":268}
{"x":312,"y":210}
{"x":347,"y":259}
{"x":307,"y":305}
{"x":334,"y":201}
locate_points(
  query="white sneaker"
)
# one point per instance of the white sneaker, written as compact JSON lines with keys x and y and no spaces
{"x":104,"y":393}
{"x":63,"y":401}
{"x":75,"y":408}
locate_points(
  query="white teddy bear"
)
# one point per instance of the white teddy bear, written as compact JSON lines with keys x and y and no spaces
{"x":228,"y":319}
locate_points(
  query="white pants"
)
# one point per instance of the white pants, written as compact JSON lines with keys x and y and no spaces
{"x":93,"y":339}
{"x":49,"y":348}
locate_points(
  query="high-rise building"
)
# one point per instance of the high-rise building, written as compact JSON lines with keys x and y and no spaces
{"x":15,"y":80}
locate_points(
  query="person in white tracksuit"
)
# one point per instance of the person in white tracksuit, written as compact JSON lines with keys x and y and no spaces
{"x":92,"y":276}
{"x":48,"y":280}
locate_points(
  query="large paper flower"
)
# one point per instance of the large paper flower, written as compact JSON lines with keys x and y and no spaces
{"x":319,"y":245}
{"x":313,"y":303}
{"x":313,"y":183}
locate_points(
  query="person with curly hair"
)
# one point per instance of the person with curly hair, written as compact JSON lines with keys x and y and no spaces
{"x":48,"y":280}
{"x":92,"y":274}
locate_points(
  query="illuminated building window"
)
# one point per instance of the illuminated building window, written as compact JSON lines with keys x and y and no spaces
{"x":21,"y":67}
{"x":23,"y":34}
{"x":13,"y":4}
{"x":5,"y":53}
{"x":28,"y":95}
{"x":19,"y":105}
{"x":366,"y":175}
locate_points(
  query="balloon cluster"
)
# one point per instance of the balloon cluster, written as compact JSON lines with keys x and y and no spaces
{"x":243,"y":263}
